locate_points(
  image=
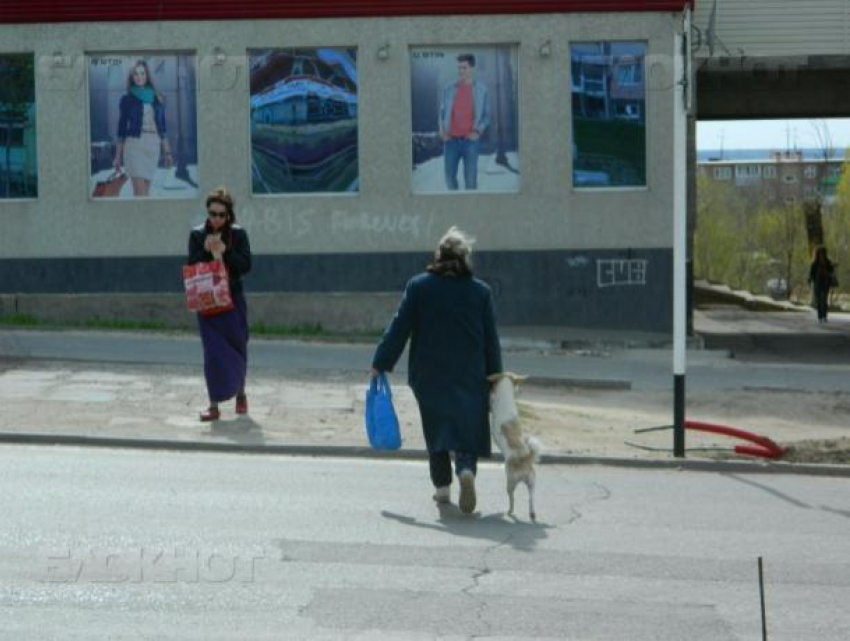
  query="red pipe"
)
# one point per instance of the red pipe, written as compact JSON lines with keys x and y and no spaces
{"x":764,"y":447}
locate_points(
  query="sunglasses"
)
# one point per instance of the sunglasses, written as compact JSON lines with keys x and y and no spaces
{"x":217,"y":214}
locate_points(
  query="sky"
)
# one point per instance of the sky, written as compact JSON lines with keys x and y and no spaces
{"x":769,"y":134}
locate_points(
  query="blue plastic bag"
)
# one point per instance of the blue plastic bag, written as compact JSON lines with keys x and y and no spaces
{"x":381,"y":420}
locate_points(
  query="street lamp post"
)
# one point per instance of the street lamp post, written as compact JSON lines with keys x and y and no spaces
{"x":681,"y":104}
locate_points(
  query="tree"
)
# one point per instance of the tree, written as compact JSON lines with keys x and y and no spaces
{"x":717,"y":242}
{"x":744,"y":242}
{"x":823,"y":138}
{"x":836,"y":226}
{"x":780,"y":235}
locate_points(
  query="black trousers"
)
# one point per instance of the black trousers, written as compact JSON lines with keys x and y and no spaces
{"x":440,"y":464}
{"x":821,"y":301}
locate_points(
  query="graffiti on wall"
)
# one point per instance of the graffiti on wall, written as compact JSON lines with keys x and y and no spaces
{"x":371,"y":228}
{"x":620,"y":272}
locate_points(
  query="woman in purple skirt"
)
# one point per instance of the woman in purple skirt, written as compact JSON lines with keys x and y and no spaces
{"x":224,"y":336}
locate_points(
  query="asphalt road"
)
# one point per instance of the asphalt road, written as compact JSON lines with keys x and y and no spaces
{"x":112,"y":544}
{"x":641,"y":369}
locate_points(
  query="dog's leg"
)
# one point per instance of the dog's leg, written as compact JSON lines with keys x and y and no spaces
{"x":511,"y":488}
{"x":530,"y":483}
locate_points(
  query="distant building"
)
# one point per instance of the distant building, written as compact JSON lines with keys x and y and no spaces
{"x":786,"y":178}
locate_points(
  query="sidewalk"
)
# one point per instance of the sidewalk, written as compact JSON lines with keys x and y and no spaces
{"x":150,"y":386}
{"x":584,"y":405}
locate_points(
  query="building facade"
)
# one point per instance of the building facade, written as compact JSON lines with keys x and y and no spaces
{"x":323,"y":120}
{"x":785,"y":179}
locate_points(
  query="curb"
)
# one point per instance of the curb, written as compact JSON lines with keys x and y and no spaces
{"x":344,"y":451}
{"x":533,"y":381}
{"x":582,"y":383}
{"x":516,"y":344}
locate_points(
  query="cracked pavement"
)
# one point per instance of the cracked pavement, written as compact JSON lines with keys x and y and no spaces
{"x":278,"y":547}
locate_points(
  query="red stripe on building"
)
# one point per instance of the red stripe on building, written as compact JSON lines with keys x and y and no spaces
{"x":47,"y":11}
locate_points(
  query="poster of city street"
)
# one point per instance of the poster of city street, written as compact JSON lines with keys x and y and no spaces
{"x":303,"y":120}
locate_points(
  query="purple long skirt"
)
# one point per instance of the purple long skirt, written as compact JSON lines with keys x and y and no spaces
{"x":225,"y":340}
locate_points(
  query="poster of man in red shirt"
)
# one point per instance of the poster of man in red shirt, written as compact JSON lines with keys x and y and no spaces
{"x":465,"y":120}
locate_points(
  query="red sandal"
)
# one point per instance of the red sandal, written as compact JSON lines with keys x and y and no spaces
{"x":241,"y":404}
{"x":212,"y":414}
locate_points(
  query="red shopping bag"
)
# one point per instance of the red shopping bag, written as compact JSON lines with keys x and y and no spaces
{"x":111,"y":187}
{"x":207,"y":288}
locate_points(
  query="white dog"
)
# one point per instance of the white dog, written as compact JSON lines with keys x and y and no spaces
{"x":520,"y":451}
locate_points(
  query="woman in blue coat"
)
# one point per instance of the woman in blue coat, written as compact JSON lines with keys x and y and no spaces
{"x":448,"y":316}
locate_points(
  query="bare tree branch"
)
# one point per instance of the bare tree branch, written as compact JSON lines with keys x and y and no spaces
{"x":823,"y":138}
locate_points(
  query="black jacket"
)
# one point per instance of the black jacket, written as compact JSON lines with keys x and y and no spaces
{"x":821,"y":279}
{"x":237,"y":256}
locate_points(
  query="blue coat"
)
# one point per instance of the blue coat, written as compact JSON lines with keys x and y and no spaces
{"x":454,"y":346}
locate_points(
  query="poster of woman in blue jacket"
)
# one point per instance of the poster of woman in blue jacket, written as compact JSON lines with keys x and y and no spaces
{"x":465,"y":121}
{"x":143,"y":126}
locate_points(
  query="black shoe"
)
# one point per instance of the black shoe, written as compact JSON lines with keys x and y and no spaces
{"x":466,"y":501}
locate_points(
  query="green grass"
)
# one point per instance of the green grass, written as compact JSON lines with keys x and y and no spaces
{"x":304,"y":330}
{"x":28,"y":320}
{"x":102,"y":323}
{"x":312,"y":330}
{"x":19,"y":320}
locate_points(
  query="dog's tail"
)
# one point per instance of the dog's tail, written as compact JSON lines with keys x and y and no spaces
{"x":535,"y":447}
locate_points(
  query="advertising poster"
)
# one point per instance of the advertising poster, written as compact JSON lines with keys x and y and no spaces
{"x":465,"y":118}
{"x":609,"y":114}
{"x":304,"y":121}
{"x":143,"y":125}
{"x":18,"y":162}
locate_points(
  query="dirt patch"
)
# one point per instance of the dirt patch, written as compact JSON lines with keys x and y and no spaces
{"x":814,"y":426}
{"x":819,"y":451}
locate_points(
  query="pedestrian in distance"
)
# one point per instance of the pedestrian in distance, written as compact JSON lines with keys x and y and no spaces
{"x":822,"y":277}
{"x":464,"y":115}
{"x":447,"y":314}
{"x":224,"y":336}
{"x":141,"y":131}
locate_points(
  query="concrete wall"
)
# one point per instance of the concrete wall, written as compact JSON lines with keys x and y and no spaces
{"x":613,"y":288}
{"x":384,"y":221}
{"x":334,"y":312}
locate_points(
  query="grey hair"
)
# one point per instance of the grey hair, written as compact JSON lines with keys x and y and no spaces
{"x":453,"y":255}
{"x":456,"y":244}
